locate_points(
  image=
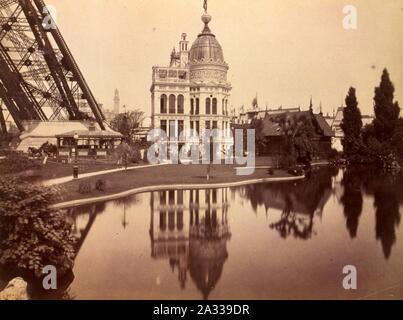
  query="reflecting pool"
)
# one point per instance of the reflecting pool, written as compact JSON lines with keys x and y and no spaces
{"x":263,"y":241}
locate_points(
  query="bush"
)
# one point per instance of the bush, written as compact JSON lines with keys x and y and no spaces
{"x":334,"y":155}
{"x":84,"y":187}
{"x":31,"y":234}
{"x":296,"y":172}
{"x":130,"y":153}
{"x":100,"y":185}
{"x":135,"y":155}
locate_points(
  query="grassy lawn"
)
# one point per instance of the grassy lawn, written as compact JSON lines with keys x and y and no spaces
{"x":52,"y":170}
{"x":126,"y":180}
{"x":169,"y":174}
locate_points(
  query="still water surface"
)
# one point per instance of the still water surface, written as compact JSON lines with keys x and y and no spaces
{"x":266,"y":241}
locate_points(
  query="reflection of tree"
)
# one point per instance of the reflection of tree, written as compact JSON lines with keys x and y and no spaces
{"x":352,"y":200}
{"x":299,"y":201}
{"x":386,"y":189}
{"x":291,"y":223}
{"x":387,"y":217}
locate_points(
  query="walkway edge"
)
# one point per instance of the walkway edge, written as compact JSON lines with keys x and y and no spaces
{"x":57,"y":181}
{"x":75,"y":203}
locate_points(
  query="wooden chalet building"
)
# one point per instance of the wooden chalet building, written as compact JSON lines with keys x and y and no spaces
{"x":271,"y":133}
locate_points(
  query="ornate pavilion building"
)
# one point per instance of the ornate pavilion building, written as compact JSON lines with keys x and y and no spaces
{"x":193,"y":92}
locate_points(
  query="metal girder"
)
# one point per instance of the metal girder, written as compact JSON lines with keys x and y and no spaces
{"x":12,"y":108}
{"x":75,"y":70}
{"x":45,"y":83}
{"x":3,"y":126}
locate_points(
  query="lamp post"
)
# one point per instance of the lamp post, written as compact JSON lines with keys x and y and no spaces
{"x":75,"y":167}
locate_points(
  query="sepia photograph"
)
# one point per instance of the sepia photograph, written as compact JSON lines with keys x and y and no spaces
{"x":201,"y":150}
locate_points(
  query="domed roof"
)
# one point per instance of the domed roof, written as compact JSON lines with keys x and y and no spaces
{"x":206,"y":47}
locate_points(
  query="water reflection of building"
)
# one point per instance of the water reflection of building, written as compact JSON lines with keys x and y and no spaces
{"x":190,"y":229}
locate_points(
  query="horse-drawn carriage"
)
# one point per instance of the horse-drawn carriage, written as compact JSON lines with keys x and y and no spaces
{"x":47,"y":149}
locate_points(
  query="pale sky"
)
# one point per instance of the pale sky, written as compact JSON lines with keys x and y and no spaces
{"x":284,"y":50}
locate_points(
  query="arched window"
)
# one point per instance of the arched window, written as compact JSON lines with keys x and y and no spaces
{"x":192,"y":106}
{"x":181,"y":104}
{"x":214,"y":106}
{"x":197,"y":106}
{"x":172,"y":102}
{"x":208,"y":106}
{"x":163,"y":104}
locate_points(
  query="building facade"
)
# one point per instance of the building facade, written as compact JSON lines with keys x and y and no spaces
{"x":338,"y":131}
{"x":193,"y":91}
{"x":270,"y":135}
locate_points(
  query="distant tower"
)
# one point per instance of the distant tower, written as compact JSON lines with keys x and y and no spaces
{"x":116,"y":102}
{"x":184,"y":51}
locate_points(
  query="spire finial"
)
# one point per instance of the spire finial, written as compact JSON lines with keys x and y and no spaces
{"x":206,"y":18}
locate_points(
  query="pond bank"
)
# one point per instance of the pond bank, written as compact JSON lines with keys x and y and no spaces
{"x":123,"y":183}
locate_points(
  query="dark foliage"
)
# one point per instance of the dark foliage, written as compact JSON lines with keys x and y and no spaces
{"x":16,"y":162}
{"x":100,"y":185}
{"x":351,"y":125}
{"x":84,"y":187}
{"x":386,"y":109}
{"x":31,"y":234}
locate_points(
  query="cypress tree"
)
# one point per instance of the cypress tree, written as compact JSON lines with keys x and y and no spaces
{"x":386,"y":110}
{"x":351,"y":124}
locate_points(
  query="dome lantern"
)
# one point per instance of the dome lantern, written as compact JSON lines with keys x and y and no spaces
{"x":206,"y":48}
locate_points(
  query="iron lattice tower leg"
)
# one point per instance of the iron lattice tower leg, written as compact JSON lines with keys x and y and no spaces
{"x":39,"y":77}
{"x":3,"y":126}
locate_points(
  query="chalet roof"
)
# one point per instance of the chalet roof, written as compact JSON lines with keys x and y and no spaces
{"x":90,"y":134}
{"x":262,"y":113}
{"x":327,"y":130}
{"x":272,"y":129}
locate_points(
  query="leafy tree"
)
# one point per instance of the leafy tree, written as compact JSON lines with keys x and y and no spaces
{"x":31,"y":234}
{"x":298,"y":132}
{"x":257,"y":124}
{"x":386,"y":109}
{"x":351,"y":124}
{"x":127,"y":153}
{"x":397,"y":140}
{"x":126,"y":123}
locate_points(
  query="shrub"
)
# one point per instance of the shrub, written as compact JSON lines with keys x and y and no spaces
{"x":100,"y":185}
{"x":31,"y":234}
{"x":135,"y":155}
{"x":16,"y":162}
{"x":132,"y":153}
{"x":84,"y":187}
{"x":296,"y":172}
{"x":334,"y":155}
